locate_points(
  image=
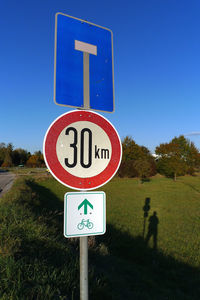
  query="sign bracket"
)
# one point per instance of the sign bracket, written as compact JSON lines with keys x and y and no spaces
{"x":87,"y":49}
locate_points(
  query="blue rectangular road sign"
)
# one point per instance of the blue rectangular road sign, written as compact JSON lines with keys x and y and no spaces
{"x":73,"y":37}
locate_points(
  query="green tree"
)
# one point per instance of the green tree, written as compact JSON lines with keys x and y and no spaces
{"x":189,"y":153}
{"x":143,"y":168}
{"x":8,"y":162}
{"x":38,"y":153}
{"x":133,"y":153}
{"x":20,"y":156}
{"x":178,"y":157}
{"x":36,"y":160}
{"x":2,"y":152}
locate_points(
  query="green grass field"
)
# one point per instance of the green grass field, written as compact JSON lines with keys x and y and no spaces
{"x":37,"y":262}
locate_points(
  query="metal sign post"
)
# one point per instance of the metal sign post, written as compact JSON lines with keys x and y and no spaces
{"x":84,"y":268}
{"x":84,"y":240}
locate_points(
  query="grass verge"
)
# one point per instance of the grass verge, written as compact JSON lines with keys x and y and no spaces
{"x":37,"y":262}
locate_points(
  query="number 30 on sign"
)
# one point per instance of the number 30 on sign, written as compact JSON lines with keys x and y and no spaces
{"x":82,"y":150}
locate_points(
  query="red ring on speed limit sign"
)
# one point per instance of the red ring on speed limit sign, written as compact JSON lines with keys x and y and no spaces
{"x":55,"y":166}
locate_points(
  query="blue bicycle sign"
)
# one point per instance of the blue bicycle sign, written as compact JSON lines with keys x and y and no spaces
{"x":85,"y":223}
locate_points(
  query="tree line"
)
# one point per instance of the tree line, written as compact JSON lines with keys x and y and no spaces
{"x":176,"y":158}
{"x":19,"y":157}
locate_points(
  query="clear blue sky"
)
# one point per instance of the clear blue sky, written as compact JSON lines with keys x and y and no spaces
{"x":156,"y":67}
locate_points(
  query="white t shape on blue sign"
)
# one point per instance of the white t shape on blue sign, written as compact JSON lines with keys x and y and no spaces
{"x":83,"y":65}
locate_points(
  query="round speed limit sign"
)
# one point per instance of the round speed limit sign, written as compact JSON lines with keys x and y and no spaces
{"x":82,"y":150}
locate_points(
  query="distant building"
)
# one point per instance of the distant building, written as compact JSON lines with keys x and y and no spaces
{"x":156,"y":156}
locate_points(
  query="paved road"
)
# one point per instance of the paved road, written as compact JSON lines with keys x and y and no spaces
{"x":6,"y":181}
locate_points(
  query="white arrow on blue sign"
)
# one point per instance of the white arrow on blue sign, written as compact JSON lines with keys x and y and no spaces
{"x":73,"y":38}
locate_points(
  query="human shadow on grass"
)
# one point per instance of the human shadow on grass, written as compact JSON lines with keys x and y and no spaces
{"x":153,"y":224}
{"x":153,"y":230}
{"x":146,"y":209}
{"x":149,"y":273}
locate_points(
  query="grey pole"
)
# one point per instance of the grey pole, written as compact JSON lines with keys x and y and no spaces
{"x":84,"y":268}
{"x":84,"y":239}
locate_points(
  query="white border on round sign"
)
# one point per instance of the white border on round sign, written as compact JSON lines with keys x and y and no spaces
{"x":71,"y":186}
